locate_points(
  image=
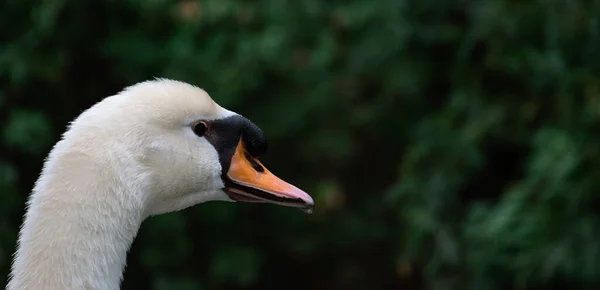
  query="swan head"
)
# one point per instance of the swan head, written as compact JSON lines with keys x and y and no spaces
{"x":173,"y":140}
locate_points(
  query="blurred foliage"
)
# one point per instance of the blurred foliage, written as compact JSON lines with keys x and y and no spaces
{"x":448,"y":144}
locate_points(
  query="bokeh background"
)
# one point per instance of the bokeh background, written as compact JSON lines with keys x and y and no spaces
{"x":448,"y":144}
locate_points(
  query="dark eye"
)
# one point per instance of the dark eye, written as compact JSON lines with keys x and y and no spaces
{"x":200,"y":128}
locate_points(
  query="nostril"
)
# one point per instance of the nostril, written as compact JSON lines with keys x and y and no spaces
{"x":254,"y":164}
{"x":257,"y":166}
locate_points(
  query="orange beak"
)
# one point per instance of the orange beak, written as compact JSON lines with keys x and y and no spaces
{"x":252,"y":182}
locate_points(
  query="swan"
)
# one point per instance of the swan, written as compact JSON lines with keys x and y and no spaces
{"x":155,"y":147}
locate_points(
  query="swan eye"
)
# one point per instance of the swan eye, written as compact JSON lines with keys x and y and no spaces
{"x":200,"y":128}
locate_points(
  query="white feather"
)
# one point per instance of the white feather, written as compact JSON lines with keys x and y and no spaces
{"x":130,"y":156}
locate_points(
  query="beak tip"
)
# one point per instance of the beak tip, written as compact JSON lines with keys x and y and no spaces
{"x":308,"y":200}
{"x":309,"y":208}
{"x":310,"y":205}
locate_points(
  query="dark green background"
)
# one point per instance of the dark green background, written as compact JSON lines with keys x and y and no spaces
{"x":448,"y":144}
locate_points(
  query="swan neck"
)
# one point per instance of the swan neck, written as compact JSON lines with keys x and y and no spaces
{"x":81,"y":220}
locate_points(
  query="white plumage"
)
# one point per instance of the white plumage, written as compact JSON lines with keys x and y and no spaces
{"x":128,"y":157}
